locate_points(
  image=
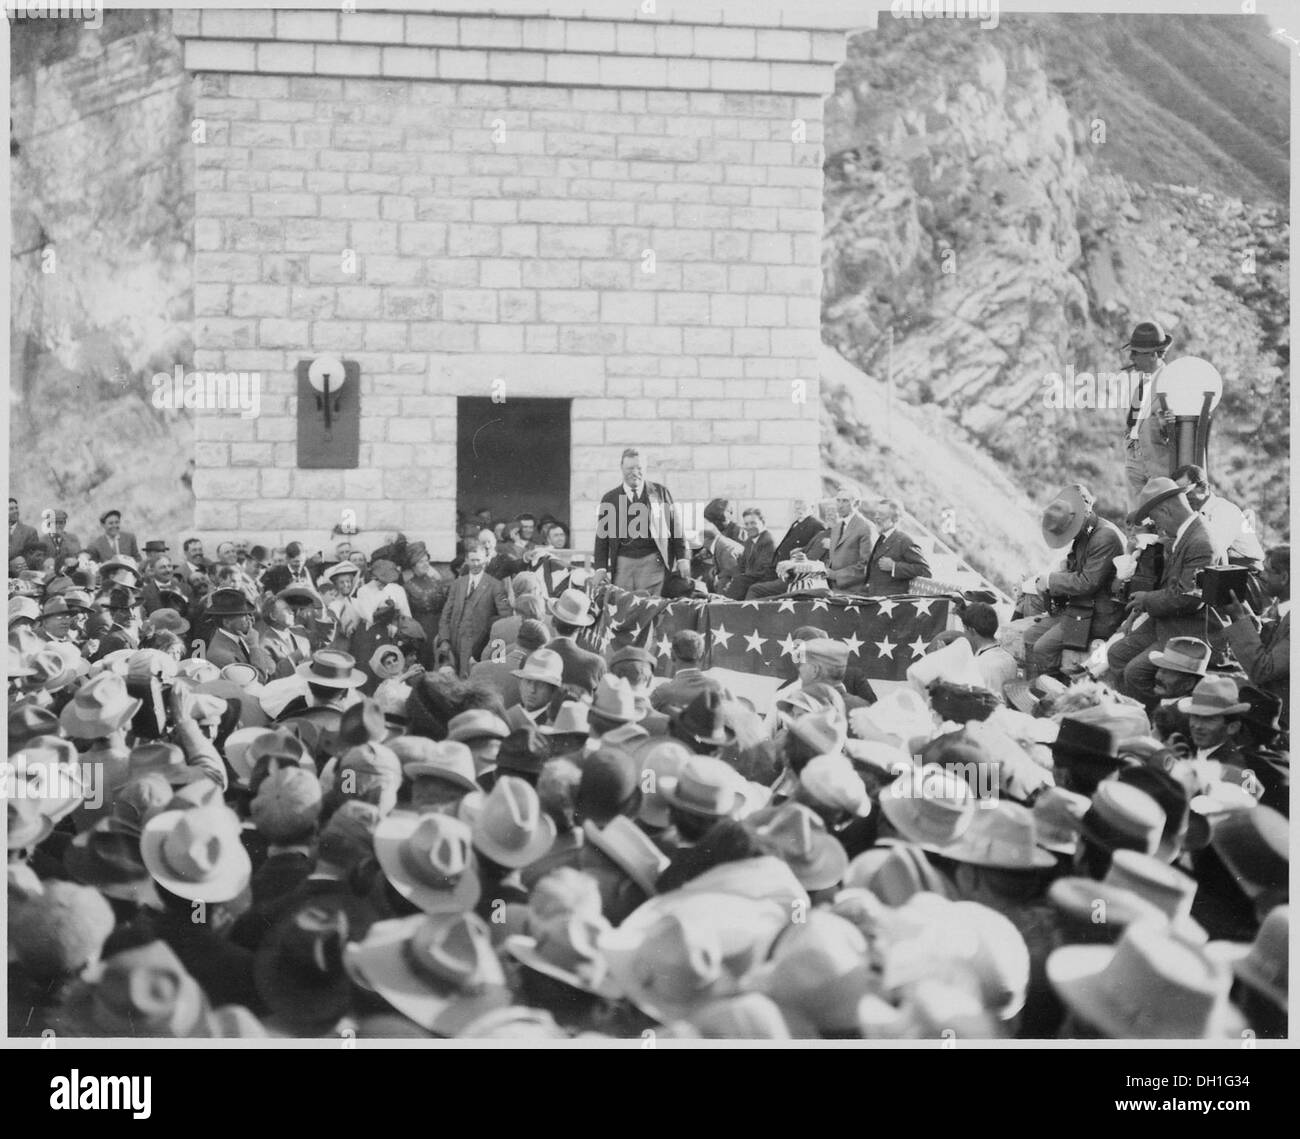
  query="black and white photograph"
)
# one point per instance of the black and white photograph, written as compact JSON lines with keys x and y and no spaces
{"x":650,"y":524}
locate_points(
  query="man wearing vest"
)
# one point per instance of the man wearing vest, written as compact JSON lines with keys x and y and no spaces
{"x":638,"y":534}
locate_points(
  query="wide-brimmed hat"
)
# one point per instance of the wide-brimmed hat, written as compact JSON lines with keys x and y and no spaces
{"x":1183,"y":654}
{"x":169,"y":620}
{"x":1262,"y":965}
{"x":362,"y":722}
{"x":1213,"y":696}
{"x":615,"y":700}
{"x":661,"y":762}
{"x":703,"y":720}
{"x":1254,"y":847}
{"x":929,"y":807}
{"x":447,"y":760}
{"x":545,"y":665}
{"x":477,"y":724}
{"x":229,"y":603}
{"x":1154,"y":492}
{"x":1148,"y":336}
{"x":78,"y":601}
{"x":1002,"y":838}
{"x":166,"y":759}
{"x":440,"y":970}
{"x":831,"y":781}
{"x":704,"y":786}
{"x":823,"y":732}
{"x":568,"y":951}
{"x":26,"y":721}
{"x":197,"y":854}
{"x":23,"y":609}
{"x":107,"y":856}
{"x":570,"y":720}
{"x":1064,"y":517}
{"x":572,"y":607}
{"x":524,"y":751}
{"x":144,"y":991}
{"x":332,"y":668}
{"x":101,"y":706}
{"x":429,"y":860}
{"x":59,"y":665}
{"x":121,"y":562}
{"x":299,"y":969}
{"x":1099,"y":912}
{"x":298,"y":595}
{"x":1165,"y":887}
{"x":1058,"y":814}
{"x":800,"y":839}
{"x":630,"y":849}
{"x":1123,"y":817}
{"x":512,"y":829}
{"x":1153,"y":985}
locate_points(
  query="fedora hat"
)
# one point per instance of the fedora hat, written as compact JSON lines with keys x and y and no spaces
{"x":332,"y":668}
{"x":512,"y":829}
{"x":197,"y":855}
{"x":299,"y":969}
{"x":78,"y":601}
{"x":439,"y":970}
{"x":55,"y":606}
{"x":1058,"y":814}
{"x":1003,"y":838}
{"x":156,"y":546}
{"x":477,"y":724}
{"x":1265,"y":713}
{"x":169,"y":620}
{"x":1148,"y":336}
{"x":1152,"y":985}
{"x":237,"y":747}
{"x":570,"y":720}
{"x":614,"y":700}
{"x":929,"y":807}
{"x":633,"y":653}
{"x":545,"y":665}
{"x":572,"y":607}
{"x":1099,"y":912}
{"x":229,"y":603}
{"x":50,"y":774}
{"x":428,"y":859}
{"x":100,"y":707}
{"x":1262,"y":965}
{"x":107,"y":856}
{"x":1153,"y":493}
{"x":800,"y":839}
{"x":568,"y":951}
{"x":447,"y":760}
{"x":831,"y":781}
{"x":703,"y":720}
{"x":1183,"y":654}
{"x":822,"y":732}
{"x":1253,"y":845}
{"x":26,"y":721}
{"x":630,"y":849}
{"x":1123,"y":817}
{"x":523,"y":751}
{"x":663,"y":760}
{"x":362,"y":722}
{"x":1064,"y":517}
{"x":1213,"y":696}
{"x":59,"y":666}
{"x":704,"y":786}
{"x":1082,"y":744}
{"x":166,"y":759}
{"x":1165,"y":887}
{"x":144,"y":991}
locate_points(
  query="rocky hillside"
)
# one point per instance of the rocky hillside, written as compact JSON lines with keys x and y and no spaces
{"x":1012,"y":201}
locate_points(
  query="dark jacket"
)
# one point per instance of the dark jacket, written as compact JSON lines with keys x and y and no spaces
{"x":616,"y":516}
{"x":909,"y":562}
{"x":798,"y":536}
{"x":582,"y":669}
{"x":1089,"y":571}
{"x":1176,"y":604}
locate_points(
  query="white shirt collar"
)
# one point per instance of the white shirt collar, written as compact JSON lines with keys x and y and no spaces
{"x":627,"y":490}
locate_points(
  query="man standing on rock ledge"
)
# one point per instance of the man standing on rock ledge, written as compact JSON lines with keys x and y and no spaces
{"x":638,"y":533}
{"x":1148,"y":448}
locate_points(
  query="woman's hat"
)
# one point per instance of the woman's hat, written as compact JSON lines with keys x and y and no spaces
{"x":100,"y":707}
{"x":1153,"y":985}
{"x":332,"y":668}
{"x":572,"y":607}
{"x":429,"y":860}
{"x":1064,"y":517}
{"x":197,"y":854}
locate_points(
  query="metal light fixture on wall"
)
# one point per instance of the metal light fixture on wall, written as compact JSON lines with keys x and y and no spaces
{"x":329,"y":412}
{"x":327,"y":375}
{"x":1191,"y":388}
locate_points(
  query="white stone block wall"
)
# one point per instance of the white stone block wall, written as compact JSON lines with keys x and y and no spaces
{"x":627,"y":214}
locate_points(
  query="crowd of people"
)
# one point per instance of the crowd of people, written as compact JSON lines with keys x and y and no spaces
{"x":282,"y":795}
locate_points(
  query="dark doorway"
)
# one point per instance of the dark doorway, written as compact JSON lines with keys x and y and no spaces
{"x":513,"y":457}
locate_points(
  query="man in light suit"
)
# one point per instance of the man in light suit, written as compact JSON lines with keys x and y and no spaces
{"x":1174,"y":608}
{"x":895,"y":557}
{"x":757,"y":560}
{"x":851,"y":540}
{"x":476,"y":600}
{"x":114,"y":541}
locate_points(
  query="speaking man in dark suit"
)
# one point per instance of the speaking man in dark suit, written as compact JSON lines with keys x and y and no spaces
{"x":114,"y":541}
{"x":852,"y":538}
{"x":1174,"y":608}
{"x":476,"y":600}
{"x":804,"y":530}
{"x":639,"y":536}
{"x":895,"y":557}
{"x":21,"y":536}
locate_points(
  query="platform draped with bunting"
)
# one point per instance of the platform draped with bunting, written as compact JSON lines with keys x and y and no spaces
{"x":884,"y":634}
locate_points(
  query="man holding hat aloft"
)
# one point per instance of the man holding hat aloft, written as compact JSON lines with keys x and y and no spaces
{"x":1175,"y":607}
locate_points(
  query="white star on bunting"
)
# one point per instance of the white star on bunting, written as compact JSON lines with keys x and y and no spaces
{"x":923,"y":605}
{"x":721,"y":636}
{"x":819,"y":603}
{"x":786,"y":606}
{"x":754,"y":643}
{"x":787,"y":646}
{"x":853,"y":643}
{"x":747,"y":604}
{"x":614,"y":625}
{"x":665,"y":646}
{"x":887,"y":607}
{"x":886,"y":648}
{"x":918,"y":647}
{"x":852,"y":608}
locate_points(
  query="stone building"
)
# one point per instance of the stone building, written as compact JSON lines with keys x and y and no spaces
{"x":536,"y":238}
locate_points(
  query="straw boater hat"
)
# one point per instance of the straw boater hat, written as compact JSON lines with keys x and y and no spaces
{"x":331,"y":668}
{"x":1065,"y":516}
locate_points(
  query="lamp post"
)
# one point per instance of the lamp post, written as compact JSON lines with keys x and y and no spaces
{"x":1191,"y":388}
